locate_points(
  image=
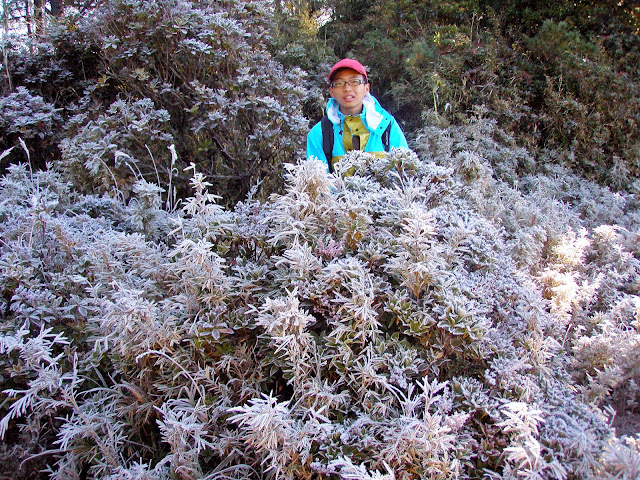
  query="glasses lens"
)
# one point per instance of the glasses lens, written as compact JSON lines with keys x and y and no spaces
{"x":352,"y":83}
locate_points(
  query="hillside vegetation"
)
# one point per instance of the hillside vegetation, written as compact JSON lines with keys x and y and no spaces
{"x":184,"y":296}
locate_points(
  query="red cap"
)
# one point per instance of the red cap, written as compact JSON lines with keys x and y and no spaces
{"x":349,"y":63}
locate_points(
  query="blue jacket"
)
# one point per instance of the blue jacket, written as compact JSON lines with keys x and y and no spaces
{"x":374,"y":117}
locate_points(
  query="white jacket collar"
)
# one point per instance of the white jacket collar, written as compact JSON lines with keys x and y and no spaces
{"x":371,"y":115}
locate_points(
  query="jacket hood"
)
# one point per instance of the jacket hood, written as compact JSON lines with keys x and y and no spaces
{"x":370,"y":106}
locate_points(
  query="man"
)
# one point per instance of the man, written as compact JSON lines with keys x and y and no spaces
{"x":355,"y":120}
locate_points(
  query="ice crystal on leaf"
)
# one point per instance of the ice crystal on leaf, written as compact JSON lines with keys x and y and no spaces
{"x":267,"y":426}
{"x":27,"y":114}
{"x":345,"y":468}
{"x":184,"y":427}
{"x":132,"y":325}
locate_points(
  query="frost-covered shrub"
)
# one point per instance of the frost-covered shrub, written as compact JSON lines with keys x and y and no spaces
{"x":578,"y":240}
{"x":27,"y":115}
{"x":56,"y":64}
{"x":622,"y":459}
{"x":372,"y":325}
{"x":41,"y":78}
{"x":137,"y":76}
{"x":231,"y":108}
{"x":117,"y":148}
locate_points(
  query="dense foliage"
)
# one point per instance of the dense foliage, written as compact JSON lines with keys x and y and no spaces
{"x":397,"y":322}
{"x":183,"y":296}
{"x":558,"y":76}
{"x":198,"y":76}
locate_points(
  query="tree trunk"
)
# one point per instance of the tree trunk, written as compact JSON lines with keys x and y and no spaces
{"x":38,"y":16}
{"x":5,"y":56}
{"x":27,"y":16}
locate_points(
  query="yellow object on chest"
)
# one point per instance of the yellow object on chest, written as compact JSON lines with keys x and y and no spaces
{"x":355,"y":134}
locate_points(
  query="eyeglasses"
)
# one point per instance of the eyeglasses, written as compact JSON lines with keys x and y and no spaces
{"x":352,"y":83}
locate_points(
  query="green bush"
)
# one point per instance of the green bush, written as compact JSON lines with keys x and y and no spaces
{"x":589,"y":110}
{"x":570,"y":87}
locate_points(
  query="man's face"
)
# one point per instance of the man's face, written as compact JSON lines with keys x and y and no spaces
{"x":349,"y":97}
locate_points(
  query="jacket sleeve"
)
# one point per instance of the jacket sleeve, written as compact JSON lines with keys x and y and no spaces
{"x":396,"y":136}
{"x":314,"y":144}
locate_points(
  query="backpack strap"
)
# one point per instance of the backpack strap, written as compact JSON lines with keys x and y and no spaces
{"x":385,"y":138}
{"x":327,"y":140}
